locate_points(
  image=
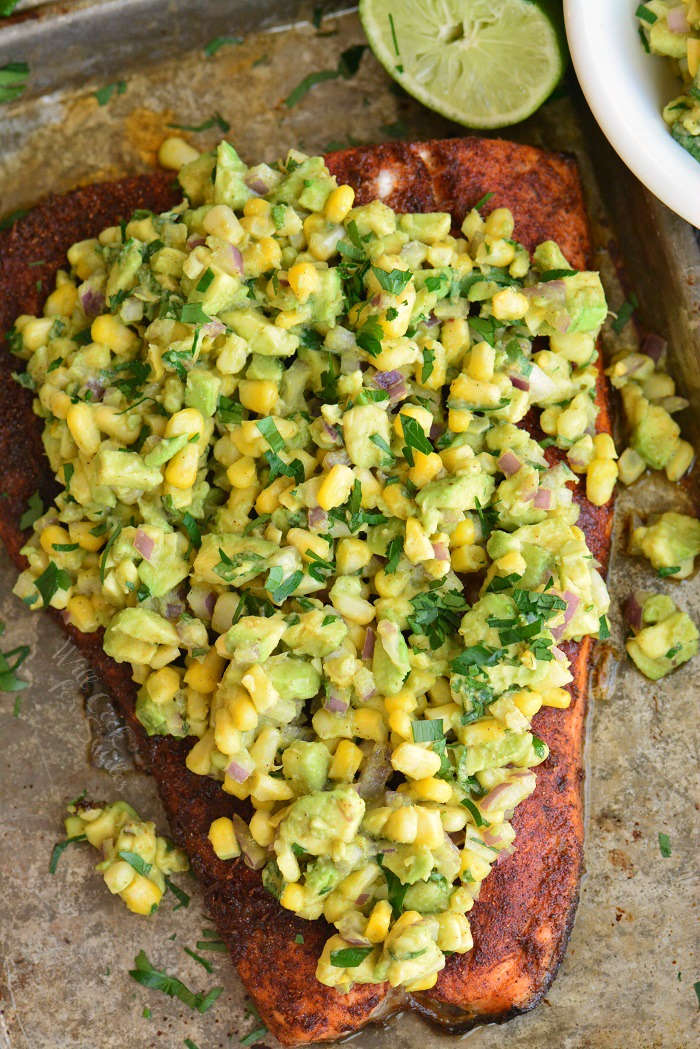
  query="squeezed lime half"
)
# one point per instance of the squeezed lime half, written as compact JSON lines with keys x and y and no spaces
{"x":482,"y":63}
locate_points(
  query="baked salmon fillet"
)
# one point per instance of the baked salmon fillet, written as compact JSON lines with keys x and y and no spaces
{"x":522,"y":919}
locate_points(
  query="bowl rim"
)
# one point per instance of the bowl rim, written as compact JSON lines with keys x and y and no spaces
{"x":652,"y":154}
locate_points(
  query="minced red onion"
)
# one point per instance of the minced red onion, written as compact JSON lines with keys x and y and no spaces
{"x":254,"y":856}
{"x":96,"y":389}
{"x":209,"y":602}
{"x":490,"y":800}
{"x":677,"y":21}
{"x":195,"y":241}
{"x":349,"y":362}
{"x":144,"y":544}
{"x":131,"y":310}
{"x":509,"y":463}
{"x":316,"y":518}
{"x":376,"y":770}
{"x":93,"y":302}
{"x":431,"y":320}
{"x":340,"y":458}
{"x":174,"y":609}
{"x":505,"y":853}
{"x":542,"y":499}
{"x":653,"y":346}
{"x":237,"y":772}
{"x":385,"y":380}
{"x":362,"y":899}
{"x":540,"y":383}
{"x":559,"y":655}
{"x":441,"y":552}
{"x":518,"y":381}
{"x":368,"y":646}
{"x":214,"y":327}
{"x":572,"y":603}
{"x":331,"y":431}
{"x":257,"y":185}
{"x":633,"y":612}
{"x":550,"y":291}
{"x":335,"y":703}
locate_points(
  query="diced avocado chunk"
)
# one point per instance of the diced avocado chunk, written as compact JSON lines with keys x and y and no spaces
{"x":428,"y":228}
{"x":262,"y":337}
{"x":390,"y":663}
{"x":293,"y":678}
{"x":162,"y":719}
{"x":222,"y":294}
{"x":429,"y":897}
{"x":318,"y":820}
{"x":459,"y":492}
{"x":166,"y":566}
{"x":125,"y":470}
{"x":360,"y":424}
{"x":306,"y":766}
{"x":253,"y":639}
{"x":509,"y":749}
{"x":166,"y":448}
{"x":322,"y":876}
{"x":289,"y":190}
{"x":410,"y":863}
{"x":202,"y":391}
{"x":549,"y":256}
{"x":229,"y":186}
{"x":269,"y":368}
{"x":327,"y":303}
{"x":316,"y":192}
{"x":122,"y":275}
{"x":666,"y":639}
{"x":244,"y":558}
{"x":671,"y":543}
{"x":379,"y":536}
{"x":655,"y":436}
{"x":196,"y":179}
{"x":318,"y":633}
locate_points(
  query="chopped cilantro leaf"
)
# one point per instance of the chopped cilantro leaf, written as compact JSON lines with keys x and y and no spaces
{"x":59,"y":849}
{"x":664,"y":845}
{"x":214,"y":121}
{"x":476,"y":814}
{"x":393,"y":553}
{"x":35,"y":509}
{"x":428,"y":364}
{"x":218,"y":42}
{"x":427,"y":731}
{"x":147,"y":976}
{"x":624,"y":313}
{"x":667,"y":570}
{"x":482,"y":200}
{"x":350,"y":957}
{"x":393,"y":281}
{"x":137,"y":862}
{"x":50,"y":581}
{"x":414,"y":437}
{"x":271,"y":434}
{"x":103,"y":94}
{"x":278,"y":587}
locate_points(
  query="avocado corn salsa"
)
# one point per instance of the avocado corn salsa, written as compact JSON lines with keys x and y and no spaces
{"x":673,"y":30}
{"x":297,"y":499}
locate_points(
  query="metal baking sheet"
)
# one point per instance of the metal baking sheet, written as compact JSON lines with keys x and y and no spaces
{"x":66,"y":945}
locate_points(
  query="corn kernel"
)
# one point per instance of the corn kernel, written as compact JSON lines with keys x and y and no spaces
{"x":222,"y":836}
{"x":181,"y":471}
{"x":680,"y":461}
{"x":431,"y":832}
{"x":509,"y":305}
{"x":528,"y":702}
{"x":243,"y":713}
{"x":425,"y":468}
{"x":352,"y":555}
{"x":174,"y":153}
{"x":258,"y":395}
{"x":600,"y":480}
{"x":53,"y":534}
{"x":338,"y":204}
{"x":293,"y":897}
{"x":241,"y":473}
{"x":415,"y":761}
{"x":417,"y":545}
{"x":109,"y":331}
{"x":378,"y":922}
{"x":268,"y":499}
{"x":346,"y":761}
{"x":402,"y":825}
{"x":556,"y":697}
{"x":432,"y":789}
{"x":369,"y":724}
{"x":604,"y":446}
{"x":262,"y":691}
{"x":163,"y":684}
{"x":512,"y":563}
{"x":335,"y":487}
{"x":304,"y":280}
{"x":204,"y":676}
{"x":80,"y":419}
{"x":141,"y":895}
{"x":468,"y":558}
{"x":481,"y":362}
{"x":81,"y":613}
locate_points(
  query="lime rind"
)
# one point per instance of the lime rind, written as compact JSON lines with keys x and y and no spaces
{"x":481,"y":63}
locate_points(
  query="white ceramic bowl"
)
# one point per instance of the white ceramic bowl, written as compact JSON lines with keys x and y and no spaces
{"x":626,"y":88}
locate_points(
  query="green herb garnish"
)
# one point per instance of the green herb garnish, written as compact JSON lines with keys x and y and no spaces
{"x":59,"y":849}
{"x":103,"y":94}
{"x":147,"y":976}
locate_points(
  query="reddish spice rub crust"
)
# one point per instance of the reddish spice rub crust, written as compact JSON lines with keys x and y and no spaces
{"x":522,"y":920}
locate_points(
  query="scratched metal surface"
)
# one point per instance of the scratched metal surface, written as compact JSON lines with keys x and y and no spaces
{"x":67,"y":945}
